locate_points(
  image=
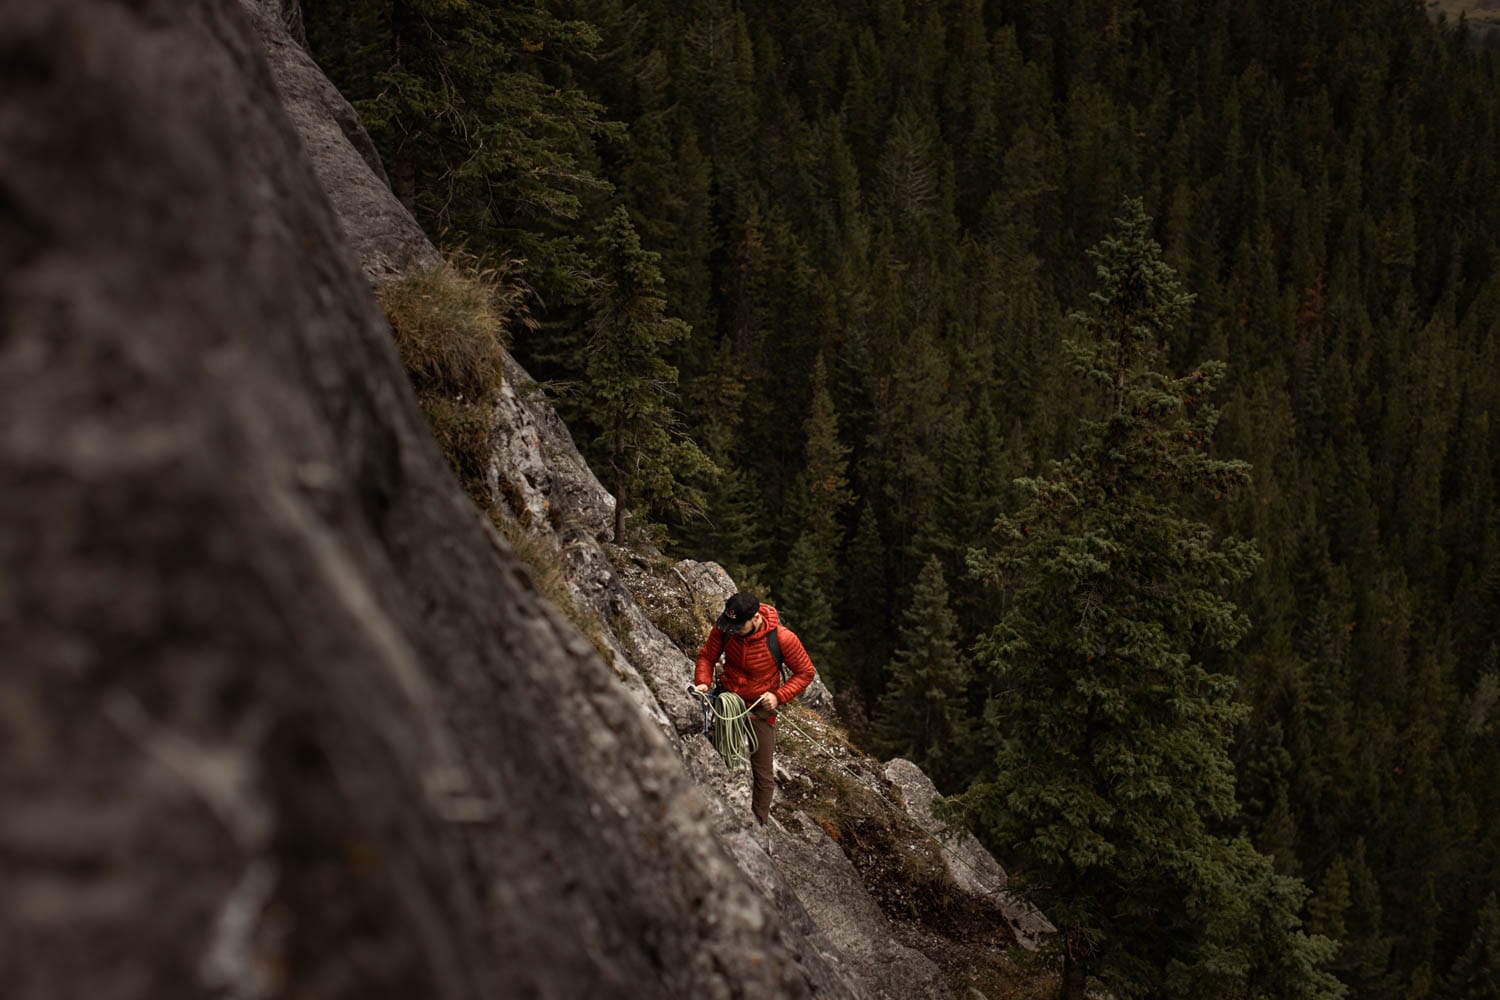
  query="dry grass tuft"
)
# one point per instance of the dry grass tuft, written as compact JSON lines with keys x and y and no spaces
{"x":451,"y":321}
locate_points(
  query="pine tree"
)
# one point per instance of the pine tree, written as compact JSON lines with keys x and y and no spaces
{"x":810,"y":575}
{"x":1364,"y":959}
{"x":482,"y":138}
{"x":820,"y":492}
{"x":648,"y":463}
{"x":730,"y":531}
{"x":922,"y":714}
{"x":1114,"y":754}
{"x":1326,"y":909}
{"x":867,"y":604}
{"x":806,"y":606}
{"x":1476,"y":974}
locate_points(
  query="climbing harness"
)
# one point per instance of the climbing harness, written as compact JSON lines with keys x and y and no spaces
{"x":726,"y":724}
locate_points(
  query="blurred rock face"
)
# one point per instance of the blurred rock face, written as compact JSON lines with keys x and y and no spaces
{"x":278,"y":716}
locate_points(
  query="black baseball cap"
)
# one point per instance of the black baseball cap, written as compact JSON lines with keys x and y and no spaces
{"x":739,"y":609}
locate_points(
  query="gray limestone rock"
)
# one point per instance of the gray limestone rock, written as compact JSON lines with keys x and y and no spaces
{"x":382,"y":233}
{"x":707,"y":579}
{"x":640,"y":653}
{"x":972,"y":867}
{"x":539,"y":471}
{"x":281,"y":717}
{"x":839,"y":904}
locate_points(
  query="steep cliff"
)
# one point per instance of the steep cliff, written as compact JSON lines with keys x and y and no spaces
{"x":282,"y":713}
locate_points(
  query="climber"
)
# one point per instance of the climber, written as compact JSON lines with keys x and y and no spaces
{"x":751,"y":671}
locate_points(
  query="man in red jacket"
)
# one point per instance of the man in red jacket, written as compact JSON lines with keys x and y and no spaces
{"x":750,"y":671}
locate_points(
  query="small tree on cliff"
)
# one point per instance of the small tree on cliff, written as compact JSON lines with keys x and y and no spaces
{"x":922,"y":715}
{"x":1113,"y":738}
{"x":631,"y":388}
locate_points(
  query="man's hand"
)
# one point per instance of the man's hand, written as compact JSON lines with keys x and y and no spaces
{"x":769,"y":700}
{"x":701,"y":688}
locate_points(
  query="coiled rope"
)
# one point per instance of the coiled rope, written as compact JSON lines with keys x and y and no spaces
{"x":732,"y":734}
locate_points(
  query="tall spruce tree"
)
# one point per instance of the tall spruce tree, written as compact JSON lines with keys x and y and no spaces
{"x":1114,"y":752}
{"x":867,"y":600}
{"x":1476,"y":974}
{"x":648,"y":462}
{"x":923,"y":716}
{"x":809,"y":575}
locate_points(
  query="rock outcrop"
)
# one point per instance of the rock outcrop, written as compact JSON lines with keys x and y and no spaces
{"x":282,"y":713}
{"x":384,"y":237}
{"x":969,"y":865}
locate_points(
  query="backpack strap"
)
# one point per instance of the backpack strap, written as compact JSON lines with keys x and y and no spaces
{"x":774,"y":645}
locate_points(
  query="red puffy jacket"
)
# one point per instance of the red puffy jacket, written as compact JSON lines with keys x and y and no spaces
{"x":749,"y":668}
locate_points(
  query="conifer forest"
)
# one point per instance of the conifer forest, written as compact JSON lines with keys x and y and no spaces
{"x":1106,"y":391}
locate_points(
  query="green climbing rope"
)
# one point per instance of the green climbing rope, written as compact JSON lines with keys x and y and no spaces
{"x":733,"y":736}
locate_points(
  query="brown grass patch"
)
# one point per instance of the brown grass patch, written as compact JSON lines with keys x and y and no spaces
{"x":451,"y":321}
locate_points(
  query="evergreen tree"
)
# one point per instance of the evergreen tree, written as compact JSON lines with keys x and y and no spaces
{"x":647,"y":462}
{"x":1476,"y":974}
{"x":806,"y":606}
{"x":731,"y":530}
{"x":1113,"y":759}
{"x":922,"y":714}
{"x":867,"y":604}
{"x":809,"y":575}
{"x":820,"y":492}
{"x":1326,"y":909}
{"x":907,"y":188}
{"x":1364,"y":958}
{"x":469,"y":106}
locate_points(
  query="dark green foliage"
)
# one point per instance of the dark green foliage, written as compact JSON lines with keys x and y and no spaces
{"x":923,"y":715}
{"x":905,"y":189}
{"x":647,"y":462}
{"x":810,"y":573}
{"x":1476,"y":974}
{"x":1114,"y":738}
{"x":867,"y":603}
{"x":479,"y":131}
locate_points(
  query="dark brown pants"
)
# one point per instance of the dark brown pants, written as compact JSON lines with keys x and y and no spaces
{"x":762,"y":766}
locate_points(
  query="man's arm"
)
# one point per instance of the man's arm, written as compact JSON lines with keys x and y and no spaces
{"x":703,"y":673}
{"x":795,"y":657}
